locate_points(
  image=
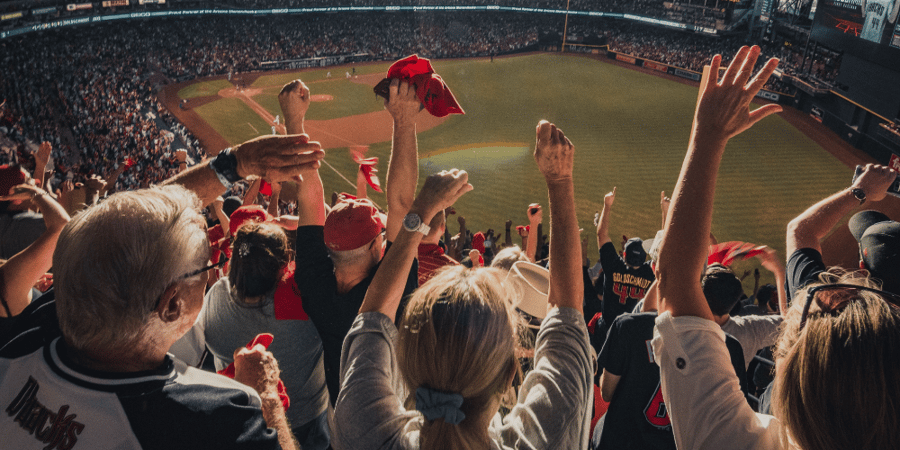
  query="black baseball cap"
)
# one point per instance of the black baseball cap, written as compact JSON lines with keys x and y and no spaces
{"x":879,"y":246}
{"x":634,"y":252}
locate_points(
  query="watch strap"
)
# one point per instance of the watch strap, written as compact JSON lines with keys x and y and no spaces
{"x":225,"y":167}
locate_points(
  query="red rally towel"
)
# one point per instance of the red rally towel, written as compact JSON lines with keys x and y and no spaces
{"x":265,"y":339}
{"x":726,"y":253}
{"x":366,"y":166}
{"x":430,"y":87}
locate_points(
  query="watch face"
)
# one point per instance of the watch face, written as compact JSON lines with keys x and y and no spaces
{"x":411,"y":222}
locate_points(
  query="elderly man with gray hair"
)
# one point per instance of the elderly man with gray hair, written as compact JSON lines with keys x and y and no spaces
{"x":90,"y":368}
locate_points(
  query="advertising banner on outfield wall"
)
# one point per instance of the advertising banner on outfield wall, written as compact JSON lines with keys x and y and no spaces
{"x":625,"y":58}
{"x":150,"y":2}
{"x":686,"y":74}
{"x":10,"y":16}
{"x":656,"y":66}
{"x":76,"y":6}
{"x":49,"y":10}
{"x":114,"y":3}
{"x":768,"y":95}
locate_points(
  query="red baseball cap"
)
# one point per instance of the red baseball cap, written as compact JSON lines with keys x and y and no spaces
{"x":10,"y":176}
{"x":247,"y":214}
{"x":352,"y":224}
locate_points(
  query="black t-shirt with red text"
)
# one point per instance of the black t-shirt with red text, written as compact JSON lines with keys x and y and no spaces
{"x":623,"y":286}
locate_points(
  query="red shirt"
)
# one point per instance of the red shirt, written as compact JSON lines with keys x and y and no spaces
{"x":431,"y":258}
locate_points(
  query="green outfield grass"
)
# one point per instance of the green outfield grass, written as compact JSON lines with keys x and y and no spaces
{"x":630,"y":131}
{"x":204,"y":88}
{"x":234,"y":120}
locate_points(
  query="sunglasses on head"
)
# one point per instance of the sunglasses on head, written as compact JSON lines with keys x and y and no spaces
{"x":836,"y":297}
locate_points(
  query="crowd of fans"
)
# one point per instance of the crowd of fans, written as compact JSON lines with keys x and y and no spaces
{"x":90,"y":94}
{"x":345,"y":326}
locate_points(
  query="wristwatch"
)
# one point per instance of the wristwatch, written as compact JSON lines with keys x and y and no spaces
{"x":859,"y":194}
{"x":412,"y":222}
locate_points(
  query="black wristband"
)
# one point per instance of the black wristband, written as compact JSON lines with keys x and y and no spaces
{"x":225,"y":166}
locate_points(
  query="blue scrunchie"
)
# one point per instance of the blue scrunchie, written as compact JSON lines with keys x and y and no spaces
{"x":439,"y":405}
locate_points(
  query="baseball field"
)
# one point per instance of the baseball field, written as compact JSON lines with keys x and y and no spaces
{"x":630,"y":129}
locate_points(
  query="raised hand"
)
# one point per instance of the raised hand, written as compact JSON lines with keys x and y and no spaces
{"x":553,"y":152}
{"x":875,"y":181}
{"x":403,"y":103}
{"x":723,"y":109}
{"x":43,"y":154}
{"x":442,"y":190}
{"x":664,"y":202}
{"x":20,"y":193}
{"x":278,"y":158}
{"x":294,"y":100}
{"x":609,"y":198}
{"x":535,"y":213}
{"x":257,"y":368}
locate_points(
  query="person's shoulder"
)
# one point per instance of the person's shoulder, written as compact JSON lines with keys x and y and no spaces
{"x":218,"y":389}
{"x":28,"y":331}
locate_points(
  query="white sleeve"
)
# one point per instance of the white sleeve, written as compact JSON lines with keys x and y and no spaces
{"x":702,"y":395}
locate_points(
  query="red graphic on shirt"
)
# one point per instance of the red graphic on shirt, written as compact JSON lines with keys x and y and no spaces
{"x":58,"y":430}
{"x":626,"y":292}
{"x":656,"y":412}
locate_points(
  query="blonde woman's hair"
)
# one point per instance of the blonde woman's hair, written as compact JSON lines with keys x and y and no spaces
{"x":836,"y":381}
{"x":459,"y":335}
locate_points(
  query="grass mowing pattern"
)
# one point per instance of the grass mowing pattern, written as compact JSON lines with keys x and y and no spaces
{"x":234,"y":120}
{"x":630,"y":131}
{"x":204,"y":88}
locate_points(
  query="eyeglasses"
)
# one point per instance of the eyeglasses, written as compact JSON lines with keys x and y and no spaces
{"x":839,"y":296}
{"x":221,"y":263}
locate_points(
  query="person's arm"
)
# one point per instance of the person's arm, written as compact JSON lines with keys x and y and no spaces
{"x":508,"y":234}
{"x":722,"y":113}
{"x":535,"y":216}
{"x":275,"y":158}
{"x":258,"y":369}
{"x":555,"y":156}
{"x":664,"y":203}
{"x":252,"y":194}
{"x":461,"y":242}
{"x":294,"y":100}
{"x":224,"y":220}
{"x":603,"y":223}
{"x":403,"y":167}
{"x":770,"y":262}
{"x":651,"y":299}
{"x":25,"y":268}
{"x":809,"y":228}
{"x":386,"y":291}
{"x":273,"y":200}
{"x":608,"y":384}
{"x":110,"y":181}
{"x":41,"y":158}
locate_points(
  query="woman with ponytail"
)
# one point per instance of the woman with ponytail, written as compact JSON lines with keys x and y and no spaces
{"x":439,"y":380}
{"x":259,"y":296}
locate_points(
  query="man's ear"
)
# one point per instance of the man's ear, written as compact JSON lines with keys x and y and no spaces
{"x":169,"y":305}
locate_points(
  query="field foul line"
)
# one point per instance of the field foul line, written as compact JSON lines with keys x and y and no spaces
{"x":254,"y":128}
